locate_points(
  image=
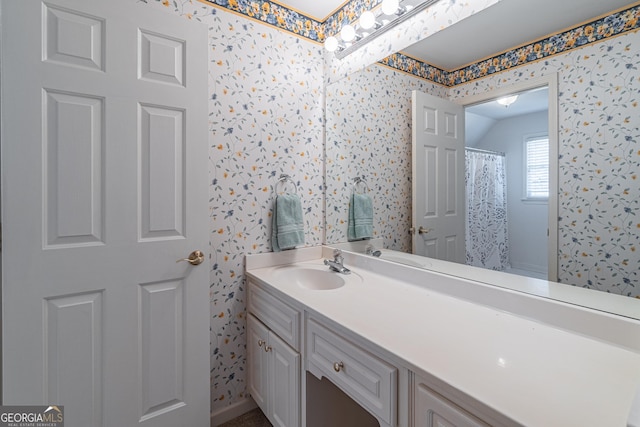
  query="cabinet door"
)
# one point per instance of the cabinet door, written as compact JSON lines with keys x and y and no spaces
{"x":433,"y":410}
{"x":285,"y":383}
{"x":257,"y":338}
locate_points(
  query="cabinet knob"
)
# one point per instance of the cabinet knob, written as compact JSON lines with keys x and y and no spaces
{"x":267,"y":348}
{"x":260,"y":343}
{"x":338,"y":366}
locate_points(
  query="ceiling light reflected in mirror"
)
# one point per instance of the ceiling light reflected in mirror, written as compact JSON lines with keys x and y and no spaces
{"x":507,"y":100}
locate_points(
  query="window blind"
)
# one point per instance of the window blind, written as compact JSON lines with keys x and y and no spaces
{"x":537,"y":168}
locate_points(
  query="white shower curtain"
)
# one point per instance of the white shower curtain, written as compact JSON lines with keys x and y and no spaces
{"x":486,"y":226}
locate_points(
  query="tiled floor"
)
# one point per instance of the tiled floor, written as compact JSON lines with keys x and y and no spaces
{"x":254,"y":418}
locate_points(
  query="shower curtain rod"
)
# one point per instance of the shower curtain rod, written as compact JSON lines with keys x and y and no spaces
{"x":478,"y":150}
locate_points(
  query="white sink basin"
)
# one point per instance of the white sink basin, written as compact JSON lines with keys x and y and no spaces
{"x":312,"y":278}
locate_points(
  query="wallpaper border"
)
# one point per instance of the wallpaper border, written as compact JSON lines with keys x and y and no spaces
{"x":605,"y":27}
{"x":292,"y":21}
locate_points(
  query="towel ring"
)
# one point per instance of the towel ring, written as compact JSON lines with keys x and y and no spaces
{"x":284,"y":179}
{"x":358,"y":180}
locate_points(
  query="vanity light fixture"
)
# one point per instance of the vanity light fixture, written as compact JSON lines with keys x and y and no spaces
{"x":373,"y":23}
{"x":507,"y":100}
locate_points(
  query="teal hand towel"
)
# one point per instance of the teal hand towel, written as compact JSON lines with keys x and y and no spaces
{"x":360,"y":224}
{"x":288,"y":226}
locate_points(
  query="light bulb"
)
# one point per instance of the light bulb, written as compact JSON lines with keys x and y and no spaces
{"x":367,"y":20}
{"x":390,"y":7}
{"x":331,"y":44}
{"x":348,"y":33}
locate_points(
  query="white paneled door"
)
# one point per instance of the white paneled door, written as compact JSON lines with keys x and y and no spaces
{"x":104,"y":187}
{"x":438,"y":178}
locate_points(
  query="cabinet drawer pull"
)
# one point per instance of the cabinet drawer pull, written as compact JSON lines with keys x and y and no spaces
{"x":267,"y":348}
{"x":338,"y":366}
{"x":260,"y":343}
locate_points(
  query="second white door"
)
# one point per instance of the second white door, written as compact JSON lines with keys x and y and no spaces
{"x":438,"y":178}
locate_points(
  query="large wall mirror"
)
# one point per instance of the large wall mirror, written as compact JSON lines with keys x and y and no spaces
{"x":581,"y":101}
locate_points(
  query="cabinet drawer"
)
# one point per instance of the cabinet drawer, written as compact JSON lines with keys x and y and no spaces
{"x":278,"y":316}
{"x":367,"y":379}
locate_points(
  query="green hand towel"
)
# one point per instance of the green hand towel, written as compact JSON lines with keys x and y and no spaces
{"x":360,"y":224}
{"x":288,"y":226}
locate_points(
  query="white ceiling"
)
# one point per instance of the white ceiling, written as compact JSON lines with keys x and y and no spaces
{"x":505,"y":25}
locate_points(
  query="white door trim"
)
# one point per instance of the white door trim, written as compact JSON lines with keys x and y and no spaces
{"x":550,"y":81}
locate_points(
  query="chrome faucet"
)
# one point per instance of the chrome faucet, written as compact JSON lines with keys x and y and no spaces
{"x":371,"y":250}
{"x":336,"y":264}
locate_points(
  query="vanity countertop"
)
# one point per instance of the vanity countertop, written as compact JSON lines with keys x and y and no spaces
{"x":532,"y":371}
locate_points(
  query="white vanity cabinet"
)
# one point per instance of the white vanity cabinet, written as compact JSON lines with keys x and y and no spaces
{"x":273,"y":357}
{"x":395,"y":347}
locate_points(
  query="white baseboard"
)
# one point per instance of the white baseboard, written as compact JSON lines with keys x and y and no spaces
{"x":232,"y":411}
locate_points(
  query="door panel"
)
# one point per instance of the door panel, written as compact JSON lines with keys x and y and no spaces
{"x":104,"y":188}
{"x":162,"y":186}
{"x":73,"y":351}
{"x":161,"y":58}
{"x":162,"y":353}
{"x":73,"y":38}
{"x":73,"y":145}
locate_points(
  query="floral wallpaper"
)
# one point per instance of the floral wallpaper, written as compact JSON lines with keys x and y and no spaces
{"x":368,"y":135}
{"x":276,"y":15}
{"x":266,"y":107}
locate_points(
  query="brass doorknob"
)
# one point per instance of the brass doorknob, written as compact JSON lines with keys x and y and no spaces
{"x":423,"y":230}
{"x":195,"y":258}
